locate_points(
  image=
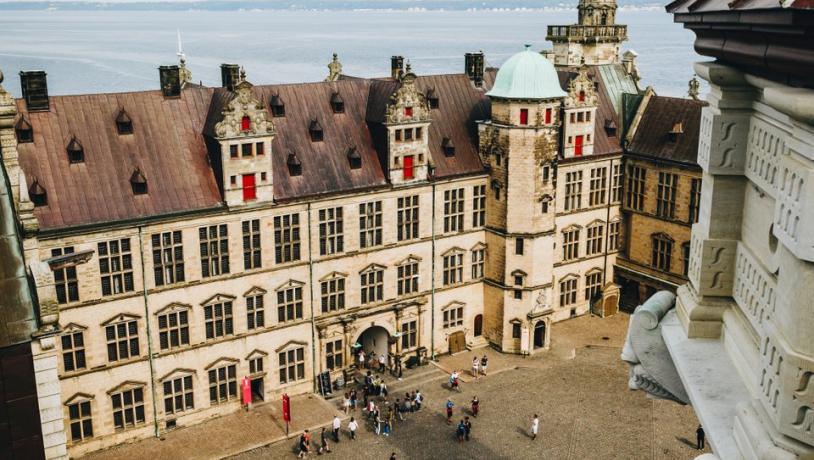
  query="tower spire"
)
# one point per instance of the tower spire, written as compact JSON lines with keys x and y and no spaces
{"x":186,"y":75}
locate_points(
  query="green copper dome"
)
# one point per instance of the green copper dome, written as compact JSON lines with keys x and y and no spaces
{"x":527,"y":75}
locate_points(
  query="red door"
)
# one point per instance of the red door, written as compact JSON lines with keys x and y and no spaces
{"x":249,"y":189}
{"x":408,"y":167}
{"x":578,"y":146}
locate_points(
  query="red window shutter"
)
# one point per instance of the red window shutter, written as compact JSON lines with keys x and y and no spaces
{"x":578,"y":146}
{"x":245,"y":123}
{"x":408,"y":112}
{"x":408,"y":167}
{"x":582,"y":96}
{"x":548,"y":116}
{"x":524,"y":116}
{"x":249,"y":188}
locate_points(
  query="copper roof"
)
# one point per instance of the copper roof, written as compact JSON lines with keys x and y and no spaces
{"x":652,"y":137}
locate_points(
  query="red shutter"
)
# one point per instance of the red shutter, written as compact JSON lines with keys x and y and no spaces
{"x":582,"y":96}
{"x":249,"y":189}
{"x":408,"y":112}
{"x":408,"y":167}
{"x":578,"y":146}
{"x":245,"y":123}
{"x":524,"y":116}
{"x":548,"y":116}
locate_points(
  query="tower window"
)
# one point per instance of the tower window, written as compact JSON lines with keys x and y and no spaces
{"x":233,"y":151}
{"x":548,"y":116}
{"x":524,"y":117}
{"x":408,"y":134}
{"x":398,"y":135}
{"x":245,"y":123}
{"x":259,"y":148}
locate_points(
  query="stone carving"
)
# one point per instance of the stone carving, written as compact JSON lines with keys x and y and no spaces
{"x":694,"y":87}
{"x":334,"y":69}
{"x":244,"y":105}
{"x":543,"y":301}
{"x":407,"y":104}
{"x":581,"y":92}
{"x":43,"y":278}
{"x":651,"y":367}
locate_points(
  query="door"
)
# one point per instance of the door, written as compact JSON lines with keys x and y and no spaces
{"x":257,"y":389}
{"x":408,"y":167}
{"x":457,"y":342}
{"x":578,"y":146}
{"x":478,"y":325}
{"x":249,"y":188}
{"x":539,"y":335}
{"x":611,"y":305}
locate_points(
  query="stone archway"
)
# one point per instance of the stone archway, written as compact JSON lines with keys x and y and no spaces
{"x":539,"y":335}
{"x":375,"y":339}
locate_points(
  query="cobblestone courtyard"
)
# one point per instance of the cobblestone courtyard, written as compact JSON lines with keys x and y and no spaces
{"x":579,"y":389}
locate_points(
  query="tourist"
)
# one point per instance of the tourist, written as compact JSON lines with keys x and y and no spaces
{"x":304,"y":441}
{"x":475,"y":366}
{"x":353,"y":399}
{"x":371,"y":406}
{"x":379,"y":422}
{"x":368,"y":381}
{"x":468,"y":427}
{"x":382,"y":363}
{"x":352,"y":426}
{"x":454,"y":383}
{"x":461,"y":431}
{"x":411,"y":397}
{"x":535,"y":427}
{"x":405,"y":407}
{"x":483,"y":362}
{"x":398,"y":410}
{"x":393,"y":456}
{"x":449,"y":406}
{"x":419,"y":399}
{"x":383,"y":389}
{"x":346,"y":404}
{"x":323,"y":442}
{"x":475,"y":406}
{"x":386,"y":431}
{"x":699,"y":438}
{"x":336,"y":425}
{"x":361,"y":359}
{"x":390,"y":419}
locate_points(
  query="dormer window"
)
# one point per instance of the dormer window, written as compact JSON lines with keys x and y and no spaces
{"x":432,"y":98}
{"x":610,"y":127}
{"x":315,"y":130}
{"x":337,"y":103}
{"x":138,"y":182}
{"x":37,"y":194}
{"x":245,"y":123}
{"x":408,"y":112}
{"x":294,"y":164}
{"x":354,"y":158}
{"x":124,"y":125}
{"x":448,"y":146}
{"x":277,"y":106}
{"x":76,"y":154}
{"x":678,"y":129}
{"x":25,"y":133}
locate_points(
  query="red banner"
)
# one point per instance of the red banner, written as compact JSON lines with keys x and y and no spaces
{"x":286,"y":408}
{"x":246,"y":386}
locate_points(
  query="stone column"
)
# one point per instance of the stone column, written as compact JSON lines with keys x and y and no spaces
{"x":722,"y":155}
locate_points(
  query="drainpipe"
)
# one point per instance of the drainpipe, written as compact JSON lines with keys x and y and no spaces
{"x":432,"y":279}
{"x":607,"y":228}
{"x":149,"y":333}
{"x":311,"y":303}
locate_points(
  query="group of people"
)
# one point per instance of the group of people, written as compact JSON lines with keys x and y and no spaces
{"x":370,"y":361}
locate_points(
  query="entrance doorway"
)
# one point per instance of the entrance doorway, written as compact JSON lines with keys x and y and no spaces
{"x":478,"y":325}
{"x":375,"y":339}
{"x":257,"y":389}
{"x":539,"y":334}
{"x":457,"y":342}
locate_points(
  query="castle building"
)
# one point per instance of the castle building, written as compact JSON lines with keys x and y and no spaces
{"x":183,"y":239}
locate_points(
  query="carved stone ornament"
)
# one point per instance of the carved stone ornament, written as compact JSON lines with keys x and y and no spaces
{"x":334,"y":69}
{"x":651,"y":367}
{"x":577,"y":85}
{"x":407,"y":104}
{"x":244,"y":104}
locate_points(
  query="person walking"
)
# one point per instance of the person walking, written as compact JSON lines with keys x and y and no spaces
{"x":393,"y":456}
{"x":475,"y":367}
{"x":391,"y":418}
{"x":399,"y":410}
{"x":379,"y":422}
{"x":453,"y":381}
{"x":383,"y":389}
{"x":475,"y":406}
{"x":336,"y":424}
{"x":467,"y":427}
{"x":346,"y":404}
{"x":699,"y":438}
{"x":483,"y":362}
{"x":411,"y":399}
{"x":382,"y":363}
{"x":461,"y":431}
{"x":405,"y":408}
{"x":535,"y":427}
{"x":449,"y":406}
{"x":323,"y":442}
{"x":361,"y":359}
{"x":303,"y":445}
{"x":419,"y":399}
{"x":353,"y":426}
{"x":353,"y":399}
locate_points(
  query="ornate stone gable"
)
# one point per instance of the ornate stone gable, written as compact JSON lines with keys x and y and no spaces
{"x":407,"y":104}
{"x":244,"y":105}
{"x":581,"y":92}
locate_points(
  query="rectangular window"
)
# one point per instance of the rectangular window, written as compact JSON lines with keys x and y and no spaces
{"x":252,"y":252}
{"x":333,"y":355}
{"x":222,"y":384}
{"x":331,"y":238}
{"x":287,"y":238}
{"x":573,"y":117}
{"x":515,"y":330}
{"x":593,"y":285}
{"x":573,"y":190}
{"x":178,"y":395}
{"x":635,"y":188}
{"x":407,"y":277}
{"x":168,"y":258}
{"x":249,"y":187}
{"x":233,"y":151}
{"x":662,"y":253}
{"x":454,"y":210}
{"x":398,"y":135}
{"x":333,"y":294}
{"x":370,"y":224}
{"x":128,"y":408}
{"x":289,"y":304}
{"x":616,"y":188}
{"x":453,"y":269}
{"x":613,"y":236}
{"x":292,"y":365}
{"x":81,"y":421}
{"x":546,"y":173}
{"x":685,"y":255}
{"x":372,"y":282}
{"x":409,"y":335}
{"x":259,"y":148}
{"x":478,"y":257}
{"x":218,"y":320}
{"x":666,"y":195}
{"x":478,"y":206}
{"x":597,"y":184}
{"x":695,"y":200}
{"x":255,"y":312}
{"x":518,"y":246}
{"x":256,"y":365}
{"x":524,"y":116}
{"x":568,"y":292}
{"x":214,"y":241}
{"x":454,"y":317}
{"x":407,"y":170}
{"x":122,"y":340}
{"x":65,"y":281}
{"x":570,"y":244}
{"x":407,"y":218}
{"x":580,"y":117}
{"x":246,"y":150}
{"x":408,"y":134}
{"x":548,"y":116}
{"x":115,"y":266}
{"x":73,"y":351}
{"x":594,"y":240}
{"x":173,"y":329}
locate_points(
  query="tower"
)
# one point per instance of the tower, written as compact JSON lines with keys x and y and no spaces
{"x":579,"y":114}
{"x":594,"y":40}
{"x":519,"y":145}
{"x":408,"y":121}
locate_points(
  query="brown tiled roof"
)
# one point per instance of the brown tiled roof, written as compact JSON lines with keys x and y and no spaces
{"x":652,"y":135}
{"x":166,"y":146}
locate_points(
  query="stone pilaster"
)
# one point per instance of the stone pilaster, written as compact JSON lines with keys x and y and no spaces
{"x":46,"y":374}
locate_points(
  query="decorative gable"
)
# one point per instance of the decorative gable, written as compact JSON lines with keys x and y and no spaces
{"x":407,"y":104}
{"x":244,"y":105}
{"x":581,"y":91}
{"x":218,"y":298}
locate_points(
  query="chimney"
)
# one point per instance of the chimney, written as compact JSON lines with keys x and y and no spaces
{"x":474,"y":64}
{"x":35,"y":90}
{"x":170,"y":80}
{"x":229,"y":75}
{"x":396,"y":67}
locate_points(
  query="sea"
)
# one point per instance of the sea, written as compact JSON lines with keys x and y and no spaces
{"x":115,"y":51}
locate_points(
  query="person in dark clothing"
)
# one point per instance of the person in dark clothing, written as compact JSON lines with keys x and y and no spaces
{"x":467,"y":427}
{"x":699,"y":438}
{"x":461,"y":431}
{"x":323,"y":442}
